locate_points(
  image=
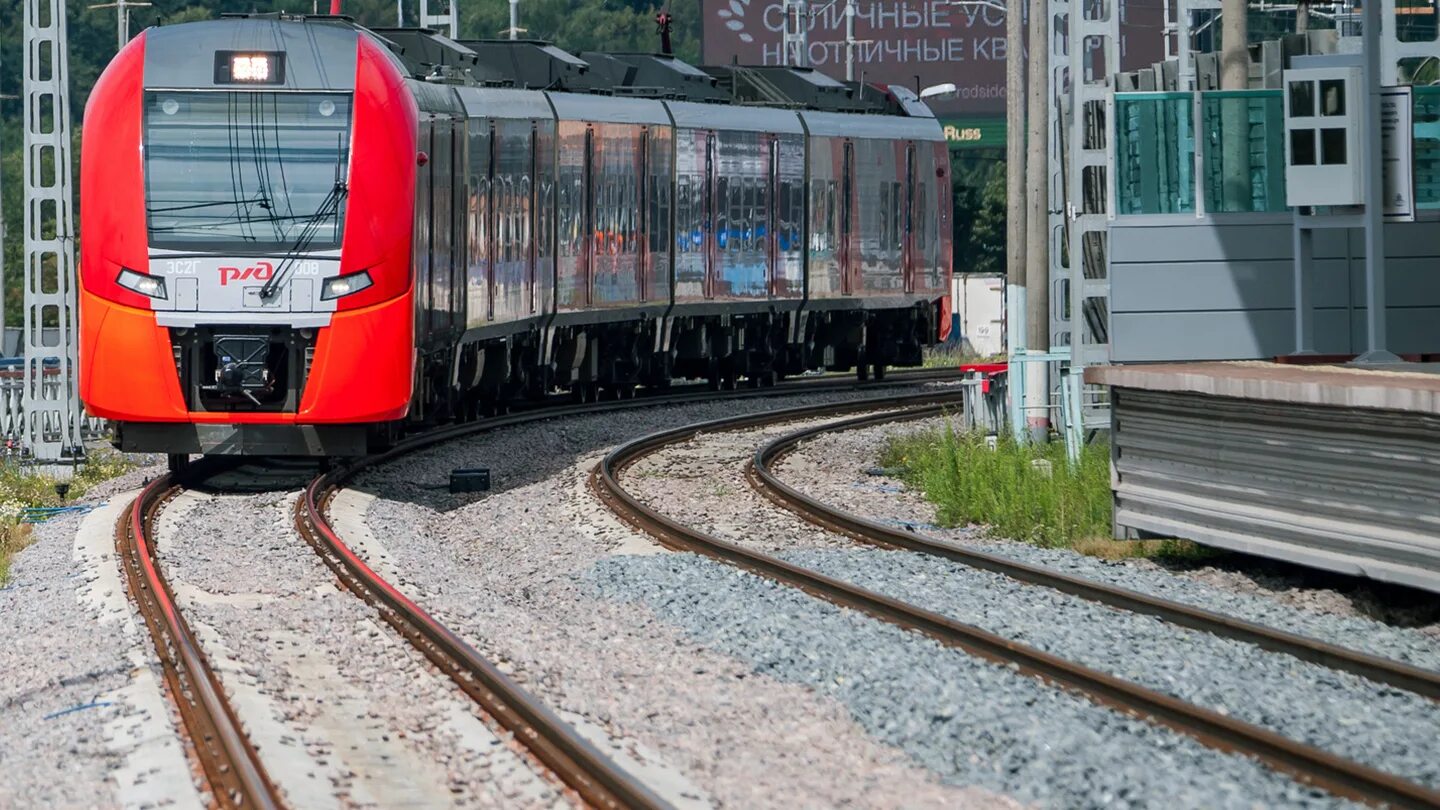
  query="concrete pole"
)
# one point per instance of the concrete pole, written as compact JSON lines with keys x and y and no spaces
{"x":1234,"y":113}
{"x":1302,"y":16}
{"x":1235,"y":45}
{"x":1015,"y":165}
{"x":1037,"y":222}
{"x":514,"y":18}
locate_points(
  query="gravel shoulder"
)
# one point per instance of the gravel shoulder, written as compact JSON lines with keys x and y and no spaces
{"x":87,"y":722}
{"x":514,"y":572}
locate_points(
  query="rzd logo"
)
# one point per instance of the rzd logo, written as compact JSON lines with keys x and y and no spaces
{"x":262,"y":271}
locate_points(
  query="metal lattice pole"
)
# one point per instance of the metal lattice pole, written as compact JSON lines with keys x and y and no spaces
{"x":51,"y":390}
{"x":795,"y":38}
{"x":122,"y":19}
{"x":447,"y":21}
{"x":2,"y":238}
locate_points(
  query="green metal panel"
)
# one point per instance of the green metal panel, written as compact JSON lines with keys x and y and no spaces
{"x":1154,"y":153}
{"x":1427,"y":147}
{"x":1262,"y":114}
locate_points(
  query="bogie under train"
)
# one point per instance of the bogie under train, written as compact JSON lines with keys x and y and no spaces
{"x":301,"y":235}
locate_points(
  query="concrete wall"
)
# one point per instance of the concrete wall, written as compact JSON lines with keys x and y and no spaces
{"x":1223,"y":289}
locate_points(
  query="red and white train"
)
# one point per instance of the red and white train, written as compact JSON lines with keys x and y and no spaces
{"x":300,"y":235}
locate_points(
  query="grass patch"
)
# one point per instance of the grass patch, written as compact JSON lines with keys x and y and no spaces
{"x":20,"y":488}
{"x":1022,"y":492}
{"x":944,"y":356}
{"x":13,"y":537}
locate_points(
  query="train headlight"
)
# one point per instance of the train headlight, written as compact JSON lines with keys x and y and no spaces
{"x":146,"y":285}
{"x":341,"y":286}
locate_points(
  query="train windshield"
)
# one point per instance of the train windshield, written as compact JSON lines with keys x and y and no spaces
{"x":246,"y":170}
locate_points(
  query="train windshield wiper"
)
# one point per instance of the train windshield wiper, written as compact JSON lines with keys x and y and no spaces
{"x":329,"y":207}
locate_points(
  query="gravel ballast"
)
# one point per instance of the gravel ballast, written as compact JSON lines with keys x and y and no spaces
{"x":835,"y":468}
{"x":507,"y":571}
{"x":1386,"y":728}
{"x":972,"y":722}
{"x":342,"y":711}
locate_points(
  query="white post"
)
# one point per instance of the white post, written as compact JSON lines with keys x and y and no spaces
{"x":514,"y":19}
{"x":849,"y":40}
{"x":1014,"y":171}
{"x":795,"y":37}
{"x":1037,"y":223}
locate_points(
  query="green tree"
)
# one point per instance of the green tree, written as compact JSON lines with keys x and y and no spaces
{"x":978,"y":191}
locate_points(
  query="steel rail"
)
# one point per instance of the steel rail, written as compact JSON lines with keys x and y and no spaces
{"x":1306,"y":763}
{"x":236,"y":777}
{"x":760,"y":474}
{"x":574,"y":760}
{"x":577,"y":763}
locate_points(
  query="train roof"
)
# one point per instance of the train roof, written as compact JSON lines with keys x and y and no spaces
{"x":433,"y":58}
{"x":539,"y":65}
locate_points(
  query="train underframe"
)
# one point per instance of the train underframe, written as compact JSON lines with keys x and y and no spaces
{"x":611,"y":360}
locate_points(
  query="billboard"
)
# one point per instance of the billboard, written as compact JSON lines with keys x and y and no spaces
{"x":907,"y":42}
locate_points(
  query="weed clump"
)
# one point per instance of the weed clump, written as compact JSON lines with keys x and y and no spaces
{"x":22,"y":489}
{"x":1025,"y":492}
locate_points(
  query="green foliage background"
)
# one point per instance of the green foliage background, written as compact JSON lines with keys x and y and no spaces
{"x":576,"y":25}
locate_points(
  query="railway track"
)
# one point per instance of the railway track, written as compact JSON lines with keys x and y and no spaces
{"x":760,"y":474}
{"x":577,"y":763}
{"x":1306,"y":763}
{"x":229,"y":762}
{"x":233,"y":769}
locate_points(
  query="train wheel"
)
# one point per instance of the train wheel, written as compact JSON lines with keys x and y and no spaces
{"x":862,"y":371}
{"x":879,"y":371}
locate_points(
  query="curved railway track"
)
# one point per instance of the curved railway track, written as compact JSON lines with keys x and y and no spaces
{"x":592,"y":775}
{"x":1307,"y":763}
{"x":232,"y":768}
{"x":760,"y":474}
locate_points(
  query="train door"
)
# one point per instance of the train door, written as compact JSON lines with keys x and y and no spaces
{"x":772,"y":186}
{"x":533,"y":243}
{"x":440,"y":227}
{"x":424,"y":248}
{"x":588,"y":265}
{"x":492,"y":222}
{"x":456,"y":284}
{"x":642,"y":229}
{"x":908,"y":250}
{"x":484,"y":163}
{"x":712,"y":234}
{"x":848,"y":259}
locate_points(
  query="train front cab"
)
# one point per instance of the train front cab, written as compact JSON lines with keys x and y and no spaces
{"x":250,"y":261}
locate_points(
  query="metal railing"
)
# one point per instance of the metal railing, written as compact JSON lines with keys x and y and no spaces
{"x":13,"y":417}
